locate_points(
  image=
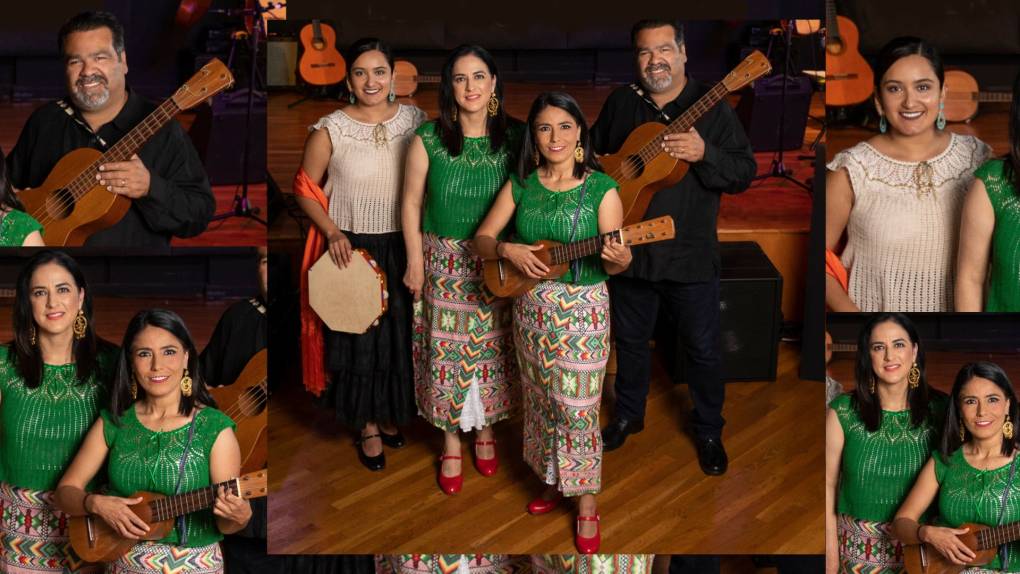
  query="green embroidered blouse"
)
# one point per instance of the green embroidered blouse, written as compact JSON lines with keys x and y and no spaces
{"x":460,"y":190}
{"x":15,"y":226}
{"x":879,"y":468}
{"x":143,"y":459}
{"x":545,"y":214}
{"x":1004,"y":284}
{"x":967,"y":494}
{"x":42,"y":428}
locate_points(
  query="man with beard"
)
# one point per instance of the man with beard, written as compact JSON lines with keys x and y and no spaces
{"x":167,"y":185}
{"x":682,"y":273}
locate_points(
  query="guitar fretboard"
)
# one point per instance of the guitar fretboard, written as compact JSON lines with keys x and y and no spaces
{"x":125,"y":148}
{"x":998,"y":535}
{"x":831,"y":22}
{"x":180,"y":504}
{"x":582,"y":248}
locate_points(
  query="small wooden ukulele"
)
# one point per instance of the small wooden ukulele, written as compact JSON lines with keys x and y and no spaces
{"x":95,"y":541}
{"x":983,"y":540}
{"x":504,"y":279}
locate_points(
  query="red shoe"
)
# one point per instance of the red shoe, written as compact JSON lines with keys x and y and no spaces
{"x":588,"y":545}
{"x":542,"y":506}
{"x":486,"y":466}
{"x":450,"y":484}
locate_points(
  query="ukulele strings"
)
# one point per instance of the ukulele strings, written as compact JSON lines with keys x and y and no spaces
{"x":252,"y":397}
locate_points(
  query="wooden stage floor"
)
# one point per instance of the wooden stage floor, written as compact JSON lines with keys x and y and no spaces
{"x":655,"y":497}
{"x":773,"y":212}
{"x":232,"y":232}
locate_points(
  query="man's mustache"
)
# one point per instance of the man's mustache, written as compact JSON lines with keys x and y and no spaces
{"x":93,"y":78}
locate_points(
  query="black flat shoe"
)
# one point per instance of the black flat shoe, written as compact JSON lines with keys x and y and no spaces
{"x":373,"y":463}
{"x":711,"y":455}
{"x":395,"y":440}
{"x":614,"y":435}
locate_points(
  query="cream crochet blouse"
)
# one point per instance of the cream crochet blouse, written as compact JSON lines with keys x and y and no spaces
{"x":366,"y":170}
{"x":904,"y":226}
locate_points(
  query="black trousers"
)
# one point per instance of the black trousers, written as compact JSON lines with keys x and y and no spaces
{"x":634,"y":305}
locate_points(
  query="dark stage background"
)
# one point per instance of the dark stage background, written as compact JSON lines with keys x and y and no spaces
{"x":981,"y":36}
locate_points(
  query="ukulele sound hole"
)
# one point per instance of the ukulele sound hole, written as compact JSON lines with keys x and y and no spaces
{"x":60,"y":204}
{"x":632,"y":167}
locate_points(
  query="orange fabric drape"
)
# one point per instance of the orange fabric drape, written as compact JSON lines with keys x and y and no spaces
{"x":834,"y":267}
{"x":312,"y":360}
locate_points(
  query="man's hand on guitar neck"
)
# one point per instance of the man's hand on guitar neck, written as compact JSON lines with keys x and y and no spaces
{"x":128,"y":178}
{"x":686,"y":146}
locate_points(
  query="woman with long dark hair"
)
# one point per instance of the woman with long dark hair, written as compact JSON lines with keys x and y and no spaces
{"x":17,"y":228}
{"x":898,"y":195}
{"x":561,"y":326}
{"x":349,"y":186}
{"x":877,"y":438}
{"x":54,"y":378}
{"x":465,"y":364}
{"x":163,"y":434}
{"x":990,"y":230}
{"x":973,"y":474}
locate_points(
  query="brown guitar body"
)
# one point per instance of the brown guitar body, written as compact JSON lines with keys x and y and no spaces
{"x":639,"y":181}
{"x":961,"y":103}
{"x":848,"y":77}
{"x":98,"y":209}
{"x":505,"y":280}
{"x":405,"y":78}
{"x":321,"y":64}
{"x":925,"y":559}
{"x":107,"y":545}
{"x":245,"y":401}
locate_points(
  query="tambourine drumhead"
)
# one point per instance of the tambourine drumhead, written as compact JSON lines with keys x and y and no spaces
{"x":351,"y":299}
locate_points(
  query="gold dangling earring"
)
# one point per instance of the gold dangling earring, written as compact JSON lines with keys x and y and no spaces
{"x":80,"y":324}
{"x":493,"y":105}
{"x":579,"y":152}
{"x":1007,"y":428}
{"x":872,"y":385}
{"x":186,"y":384}
{"x":535,"y":158}
{"x":453,"y":116}
{"x":31,"y":335}
{"x":134,"y":388}
{"x":963,"y":434}
{"x":914,"y":376}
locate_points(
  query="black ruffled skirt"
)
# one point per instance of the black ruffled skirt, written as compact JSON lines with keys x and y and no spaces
{"x":371,"y":373}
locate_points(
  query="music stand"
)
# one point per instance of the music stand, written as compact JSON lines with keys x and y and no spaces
{"x":777,"y":168}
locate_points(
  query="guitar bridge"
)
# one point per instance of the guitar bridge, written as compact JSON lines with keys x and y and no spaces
{"x":91,"y":532}
{"x":924,"y":557}
{"x":502,"y":274}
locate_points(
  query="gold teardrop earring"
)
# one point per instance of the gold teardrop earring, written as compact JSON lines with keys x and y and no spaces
{"x":80,"y":324}
{"x":579,"y":152}
{"x":31,"y":335}
{"x":1007,"y":428}
{"x":453,"y":116}
{"x":134,"y":388}
{"x":872,"y":385}
{"x":963,"y":434}
{"x":914,"y":376}
{"x":493,"y":105}
{"x":186,"y":384}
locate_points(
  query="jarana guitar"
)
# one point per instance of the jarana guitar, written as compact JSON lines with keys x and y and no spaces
{"x":71,"y":205}
{"x":642,"y":168}
{"x":95,"y":541}
{"x":983,"y":540}
{"x":406,"y":78}
{"x":504,"y":279}
{"x":963,"y":96}
{"x":245,"y":402}
{"x":848,"y":77}
{"x":321,"y":64}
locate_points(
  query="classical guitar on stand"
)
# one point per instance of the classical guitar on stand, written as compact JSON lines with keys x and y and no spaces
{"x":963,"y":96}
{"x":848,"y":77}
{"x":71,"y":205}
{"x":642,"y":168}
{"x":95,"y":541}
{"x":321,"y":64}
{"x":245,"y":402}
{"x":504,"y":279}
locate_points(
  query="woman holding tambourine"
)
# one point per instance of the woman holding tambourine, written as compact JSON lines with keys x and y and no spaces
{"x":350,"y":185}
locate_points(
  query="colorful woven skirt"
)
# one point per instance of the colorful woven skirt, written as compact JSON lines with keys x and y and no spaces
{"x":452,"y":564}
{"x":35,"y":536}
{"x":561,"y":332}
{"x":867,"y":547}
{"x":463,"y":348}
{"x":592,"y":564}
{"x":156,"y":558}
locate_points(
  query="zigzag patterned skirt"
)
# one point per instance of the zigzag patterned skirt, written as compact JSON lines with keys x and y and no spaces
{"x":592,"y":564}
{"x":562,"y":336}
{"x":34,"y":535}
{"x":463,"y":344}
{"x":452,"y":564}
{"x":156,"y":558}
{"x":867,"y":547}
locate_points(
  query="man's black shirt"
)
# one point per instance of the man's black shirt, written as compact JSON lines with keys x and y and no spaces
{"x":180,"y":200}
{"x":728,"y":167}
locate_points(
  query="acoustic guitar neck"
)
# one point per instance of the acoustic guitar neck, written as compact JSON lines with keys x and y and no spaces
{"x":649,"y":231}
{"x":832,"y":42}
{"x":248,"y":486}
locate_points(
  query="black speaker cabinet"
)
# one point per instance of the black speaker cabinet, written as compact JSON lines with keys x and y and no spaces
{"x":219,"y":132}
{"x":750,"y":303}
{"x":760,"y":109}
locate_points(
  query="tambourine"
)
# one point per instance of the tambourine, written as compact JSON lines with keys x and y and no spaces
{"x":349,"y":300}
